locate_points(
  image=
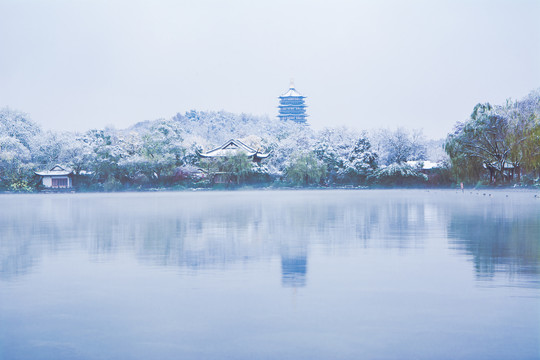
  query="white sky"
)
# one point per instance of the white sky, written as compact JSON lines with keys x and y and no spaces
{"x":77,"y":64}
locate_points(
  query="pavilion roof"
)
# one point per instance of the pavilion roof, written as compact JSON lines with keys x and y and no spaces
{"x":55,"y":170}
{"x":232,"y":147}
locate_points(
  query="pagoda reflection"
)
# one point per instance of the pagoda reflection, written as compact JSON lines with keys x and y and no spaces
{"x":294,"y":267}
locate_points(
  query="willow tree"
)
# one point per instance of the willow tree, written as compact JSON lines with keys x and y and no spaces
{"x":235,"y":168}
{"x":533,"y":147}
{"x":305,"y":169}
{"x":524,"y":135}
{"x":238,"y":167}
{"x":464,"y":167}
{"x":481,"y":141}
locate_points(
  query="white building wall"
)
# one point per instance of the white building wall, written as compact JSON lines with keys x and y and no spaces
{"x":47,"y":181}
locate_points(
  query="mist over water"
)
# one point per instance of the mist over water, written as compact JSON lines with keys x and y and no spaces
{"x":270,"y":274}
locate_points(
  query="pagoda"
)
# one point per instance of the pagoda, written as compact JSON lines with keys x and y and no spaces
{"x":292,"y":106}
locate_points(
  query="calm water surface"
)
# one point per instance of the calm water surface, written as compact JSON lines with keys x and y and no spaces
{"x":270,"y":275}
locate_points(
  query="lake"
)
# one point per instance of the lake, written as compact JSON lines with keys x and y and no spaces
{"x":321,"y":274}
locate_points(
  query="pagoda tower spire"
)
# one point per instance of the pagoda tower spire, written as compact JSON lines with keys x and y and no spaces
{"x":292,"y":106}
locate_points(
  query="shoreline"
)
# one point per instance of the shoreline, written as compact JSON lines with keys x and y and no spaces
{"x":497,"y":189}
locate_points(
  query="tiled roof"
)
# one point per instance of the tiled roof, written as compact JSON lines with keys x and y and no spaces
{"x":55,"y":170}
{"x":292,"y":92}
{"x":231,"y":148}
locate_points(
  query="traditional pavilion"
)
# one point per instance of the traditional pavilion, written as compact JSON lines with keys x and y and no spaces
{"x":234,"y":147}
{"x":292,"y":106}
{"x":229,"y":149}
{"x":57,"y":177}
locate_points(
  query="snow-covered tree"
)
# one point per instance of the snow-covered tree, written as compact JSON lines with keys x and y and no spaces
{"x":361,"y":161}
{"x":290,"y":139}
{"x":399,"y":145}
{"x":398,"y":174}
{"x":13,"y":157}
{"x":47,"y":149}
{"x":17,"y":136}
{"x":19,"y":126}
{"x":76,"y":153}
{"x":108,"y":151}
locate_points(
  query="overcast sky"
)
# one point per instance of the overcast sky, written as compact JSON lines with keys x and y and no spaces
{"x":76,"y":64}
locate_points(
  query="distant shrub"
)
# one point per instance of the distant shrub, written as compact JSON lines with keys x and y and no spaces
{"x":112,"y":184}
{"x":398,"y":174}
{"x":21,"y":186}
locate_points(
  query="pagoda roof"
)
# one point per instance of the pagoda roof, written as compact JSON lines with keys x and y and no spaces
{"x":232,"y":147}
{"x":55,"y":170}
{"x":292,"y":93}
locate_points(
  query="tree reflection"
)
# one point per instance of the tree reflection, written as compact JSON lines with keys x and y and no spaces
{"x":202,"y":230}
{"x":500,"y":238}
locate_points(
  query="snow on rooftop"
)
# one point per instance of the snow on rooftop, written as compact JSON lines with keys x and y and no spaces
{"x":232,"y":147}
{"x":56,"y":170}
{"x":426,"y":165}
{"x":292,"y":92}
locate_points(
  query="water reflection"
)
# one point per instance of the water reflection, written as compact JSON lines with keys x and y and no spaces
{"x":501,"y":238}
{"x":293,"y":268}
{"x":202,"y":230}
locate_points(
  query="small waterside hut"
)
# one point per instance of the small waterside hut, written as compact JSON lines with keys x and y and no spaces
{"x":57,"y":177}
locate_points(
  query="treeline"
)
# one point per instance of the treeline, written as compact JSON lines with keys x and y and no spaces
{"x":164,"y":153}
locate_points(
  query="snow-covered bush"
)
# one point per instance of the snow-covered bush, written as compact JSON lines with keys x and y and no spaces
{"x":398,"y":174}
